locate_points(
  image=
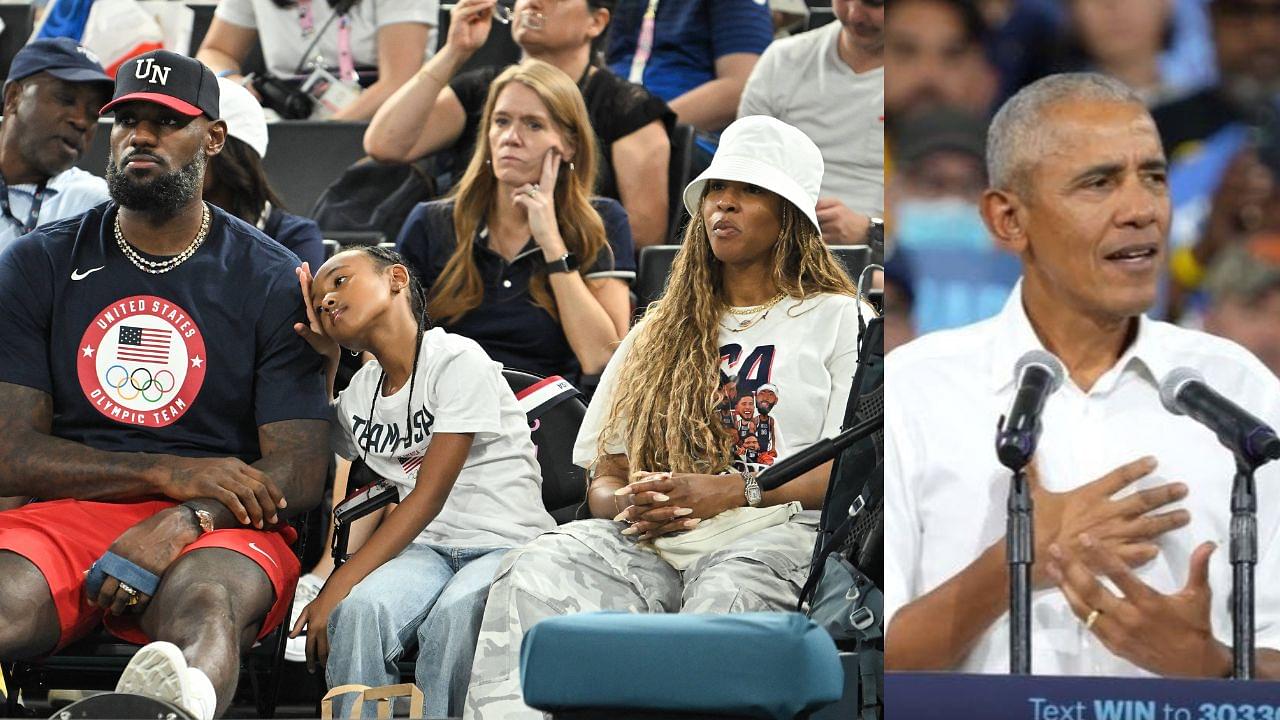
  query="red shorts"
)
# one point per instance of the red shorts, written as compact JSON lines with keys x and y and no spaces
{"x":64,"y":537}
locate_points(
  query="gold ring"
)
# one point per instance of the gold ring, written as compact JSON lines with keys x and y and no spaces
{"x":1093,"y":618}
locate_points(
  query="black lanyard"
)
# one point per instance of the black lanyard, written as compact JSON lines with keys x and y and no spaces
{"x":36,"y":201}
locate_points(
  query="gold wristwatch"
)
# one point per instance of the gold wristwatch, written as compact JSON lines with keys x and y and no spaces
{"x":204,"y":518}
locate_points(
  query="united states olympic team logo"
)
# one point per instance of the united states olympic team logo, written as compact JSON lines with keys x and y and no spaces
{"x":142,"y":361}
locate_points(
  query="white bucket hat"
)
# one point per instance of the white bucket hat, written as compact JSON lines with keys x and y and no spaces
{"x":767,"y":152}
{"x":244,"y":116}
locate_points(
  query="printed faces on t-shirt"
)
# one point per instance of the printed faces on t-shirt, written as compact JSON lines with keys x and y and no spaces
{"x":747,"y":400}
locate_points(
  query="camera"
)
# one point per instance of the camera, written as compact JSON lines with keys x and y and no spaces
{"x":283,"y":97}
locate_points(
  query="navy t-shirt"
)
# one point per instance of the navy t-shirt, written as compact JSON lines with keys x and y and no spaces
{"x":688,"y":37}
{"x":189,"y":362}
{"x":299,"y":234}
{"x":507,"y":324}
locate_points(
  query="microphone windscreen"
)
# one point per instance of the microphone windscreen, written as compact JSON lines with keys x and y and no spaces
{"x":1044,"y":360}
{"x":1173,"y":383}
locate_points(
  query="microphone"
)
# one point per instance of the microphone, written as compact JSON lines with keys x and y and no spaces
{"x":1184,"y":392}
{"x":1038,"y":375}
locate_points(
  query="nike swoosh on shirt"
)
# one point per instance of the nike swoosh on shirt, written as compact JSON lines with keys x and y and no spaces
{"x":77,"y":275}
{"x":254,"y":546}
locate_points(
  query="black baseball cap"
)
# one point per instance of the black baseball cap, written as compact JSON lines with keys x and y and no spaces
{"x":178,"y":82}
{"x":61,"y":58}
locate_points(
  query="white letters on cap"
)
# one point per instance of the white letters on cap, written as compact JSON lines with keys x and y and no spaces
{"x":147,"y":67}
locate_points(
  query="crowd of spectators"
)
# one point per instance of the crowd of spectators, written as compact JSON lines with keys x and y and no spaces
{"x":1210,"y":74}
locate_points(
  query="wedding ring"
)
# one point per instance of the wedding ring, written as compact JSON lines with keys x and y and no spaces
{"x":1093,"y":618}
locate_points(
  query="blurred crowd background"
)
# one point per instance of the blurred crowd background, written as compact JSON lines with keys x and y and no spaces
{"x":1210,"y":72}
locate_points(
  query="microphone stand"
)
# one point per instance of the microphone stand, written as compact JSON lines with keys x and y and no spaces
{"x":1244,"y":557}
{"x":1019,"y":545}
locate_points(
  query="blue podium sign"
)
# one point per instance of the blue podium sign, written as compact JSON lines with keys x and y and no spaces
{"x":955,"y":696}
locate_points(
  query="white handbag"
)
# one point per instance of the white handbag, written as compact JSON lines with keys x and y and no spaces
{"x":682,"y":550}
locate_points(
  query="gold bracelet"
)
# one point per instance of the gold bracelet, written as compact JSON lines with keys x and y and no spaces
{"x":1185,"y":269}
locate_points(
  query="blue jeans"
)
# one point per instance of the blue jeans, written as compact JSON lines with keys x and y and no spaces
{"x":428,"y":595}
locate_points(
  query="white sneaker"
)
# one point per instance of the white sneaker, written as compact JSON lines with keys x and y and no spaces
{"x":295,"y":649}
{"x":159,"y":671}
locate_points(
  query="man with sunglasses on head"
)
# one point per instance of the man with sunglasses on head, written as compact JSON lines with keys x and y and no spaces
{"x":842,"y":64}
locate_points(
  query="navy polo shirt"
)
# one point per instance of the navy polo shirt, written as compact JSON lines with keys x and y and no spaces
{"x":507,"y":324}
{"x":688,"y":38}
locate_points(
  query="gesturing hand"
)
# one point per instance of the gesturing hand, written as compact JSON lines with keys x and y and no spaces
{"x":313,"y":332}
{"x":245,"y":490}
{"x":1166,"y":634}
{"x":469,"y":24}
{"x":539,"y":203}
{"x":1127,"y":527}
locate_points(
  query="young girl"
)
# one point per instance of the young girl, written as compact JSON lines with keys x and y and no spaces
{"x":433,"y":414}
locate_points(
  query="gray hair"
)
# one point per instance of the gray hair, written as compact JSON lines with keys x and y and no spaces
{"x":1017,"y":131}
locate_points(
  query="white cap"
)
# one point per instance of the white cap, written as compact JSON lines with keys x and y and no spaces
{"x":767,"y":152}
{"x":245,"y":120}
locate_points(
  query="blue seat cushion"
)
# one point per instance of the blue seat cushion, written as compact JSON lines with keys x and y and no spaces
{"x":762,"y":665}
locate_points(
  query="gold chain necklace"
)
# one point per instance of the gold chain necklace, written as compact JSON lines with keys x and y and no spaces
{"x":757,"y":308}
{"x":162,"y":266}
{"x":745,"y":324}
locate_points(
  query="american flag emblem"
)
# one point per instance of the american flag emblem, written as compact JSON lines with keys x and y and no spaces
{"x":410,"y":463}
{"x":144,"y":345}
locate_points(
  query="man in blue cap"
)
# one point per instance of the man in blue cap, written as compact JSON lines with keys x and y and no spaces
{"x":51,"y":101}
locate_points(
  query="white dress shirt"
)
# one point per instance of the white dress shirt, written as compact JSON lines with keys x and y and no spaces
{"x":946,"y":491}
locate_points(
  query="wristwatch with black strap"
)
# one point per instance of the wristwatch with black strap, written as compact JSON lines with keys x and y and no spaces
{"x":875,"y":232}
{"x":563,"y":264}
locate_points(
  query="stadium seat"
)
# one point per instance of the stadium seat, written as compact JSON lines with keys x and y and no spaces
{"x":748,"y":665}
{"x":305,"y":156}
{"x":680,"y":173}
{"x":19,"y":19}
{"x":651,"y":274}
{"x":95,"y":663}
{"x":853,"y":257}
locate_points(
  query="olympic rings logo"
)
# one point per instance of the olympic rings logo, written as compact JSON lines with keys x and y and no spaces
{"x":129,"y":385}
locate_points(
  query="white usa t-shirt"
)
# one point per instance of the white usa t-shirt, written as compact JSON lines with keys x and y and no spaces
{"x":784,"y":380}
{"x":497,"y":498}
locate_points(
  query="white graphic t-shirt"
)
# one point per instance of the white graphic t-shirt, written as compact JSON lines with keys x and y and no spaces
{"x":497,"y":498}
{"x":784,"y":380}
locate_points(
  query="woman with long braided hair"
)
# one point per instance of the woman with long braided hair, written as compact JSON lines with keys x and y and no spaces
{"x":746,"y":358}
{"x":432,"y":414}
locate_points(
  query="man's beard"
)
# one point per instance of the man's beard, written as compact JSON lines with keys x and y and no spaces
{"x":160,"y":197}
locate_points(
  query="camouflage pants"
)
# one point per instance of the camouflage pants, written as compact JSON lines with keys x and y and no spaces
{"x":589,"y":565}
